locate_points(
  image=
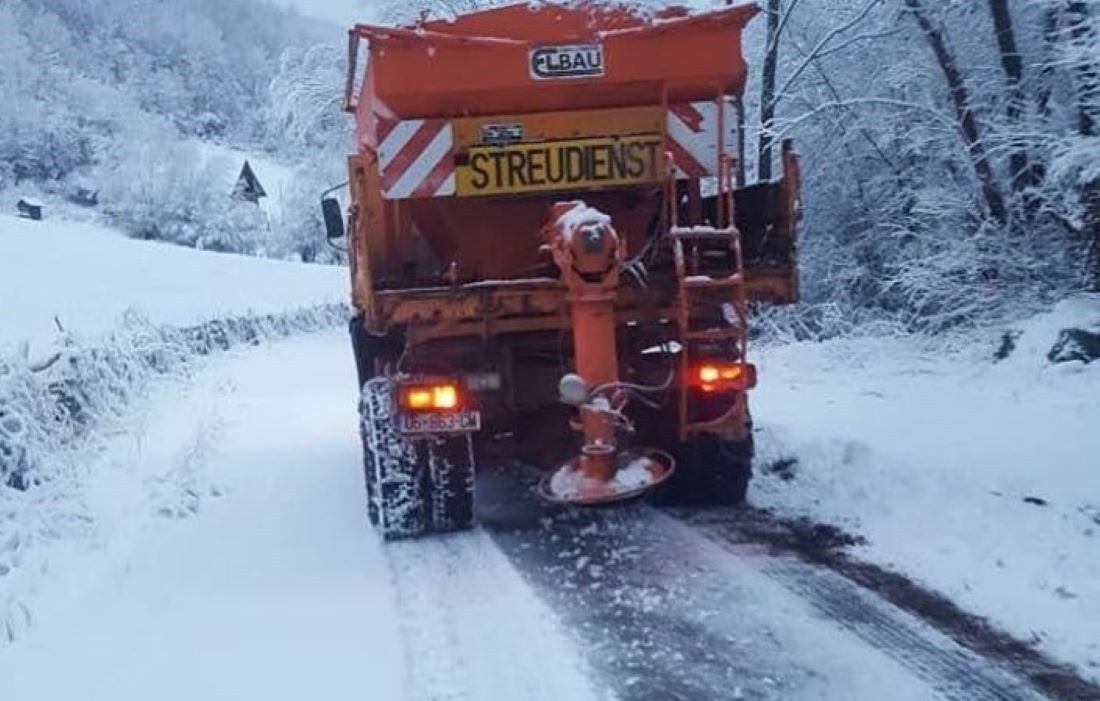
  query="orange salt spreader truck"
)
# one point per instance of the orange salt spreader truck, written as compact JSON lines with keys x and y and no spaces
{"x":548,"y":241}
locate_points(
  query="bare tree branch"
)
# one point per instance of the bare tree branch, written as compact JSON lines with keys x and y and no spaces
{"x":829,"y":36}
{"x":960,"y":97}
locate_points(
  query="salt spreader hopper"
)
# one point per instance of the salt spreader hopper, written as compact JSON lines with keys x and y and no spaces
{"x":549,"y":244}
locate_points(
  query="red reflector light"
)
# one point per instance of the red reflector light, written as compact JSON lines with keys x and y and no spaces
{"x":434,"y":397}
{"x":715,"y":375}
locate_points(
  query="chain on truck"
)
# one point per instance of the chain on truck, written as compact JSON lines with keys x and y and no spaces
{"x":551,"y":249}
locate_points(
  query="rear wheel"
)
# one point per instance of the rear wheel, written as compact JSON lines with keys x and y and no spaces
{"x":732,"y":483}
{"x":395,"y":476}
{"x":710,"y":470}
{"x":368,"y":474}
{"x":413,"y":486}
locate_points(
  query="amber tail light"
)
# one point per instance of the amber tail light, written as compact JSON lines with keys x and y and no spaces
{"x":713,"y":376}
{"x":434,"y":396}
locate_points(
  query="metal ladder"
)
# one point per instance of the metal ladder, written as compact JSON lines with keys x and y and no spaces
{"x":712,"y":301}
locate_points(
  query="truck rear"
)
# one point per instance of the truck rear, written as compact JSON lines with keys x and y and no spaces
{"x":550,"y":246}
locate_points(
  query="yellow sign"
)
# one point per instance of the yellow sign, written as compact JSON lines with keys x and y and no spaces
{"x":577,"y":164}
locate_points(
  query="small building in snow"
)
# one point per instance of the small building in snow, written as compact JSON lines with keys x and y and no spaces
{"x":29,"y":208}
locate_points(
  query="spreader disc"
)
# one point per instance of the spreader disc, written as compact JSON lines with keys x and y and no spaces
{"x":638,"y":470}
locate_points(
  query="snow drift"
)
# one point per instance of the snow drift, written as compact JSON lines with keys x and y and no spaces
{"x":976,"y":476}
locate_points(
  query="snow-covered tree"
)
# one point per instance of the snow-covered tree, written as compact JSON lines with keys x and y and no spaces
{"x":945,"y":151}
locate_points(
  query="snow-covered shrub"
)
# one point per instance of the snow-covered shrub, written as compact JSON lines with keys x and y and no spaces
{"x":305,"y":122}
{"x":51,"y":405}
{"x":52,"y":120}
{"x":106,"y":94}
{"x":202,"y":65}
{"x":298,"y":228}
{"x":168,"y":191}
{"x":59,"y":419}
{"x":304,"y":115}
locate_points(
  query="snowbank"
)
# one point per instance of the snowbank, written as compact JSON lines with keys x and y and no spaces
{"x":135,"y":314}
{"x":977,"y":477}
{"x":88,"y":276}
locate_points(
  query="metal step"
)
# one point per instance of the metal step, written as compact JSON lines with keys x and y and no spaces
{"x":715,"y":334}
{"x":701,"y":282}
{"x":703,"y":232}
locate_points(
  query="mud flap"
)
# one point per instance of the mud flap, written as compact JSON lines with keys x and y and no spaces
{"x":451,"y":473}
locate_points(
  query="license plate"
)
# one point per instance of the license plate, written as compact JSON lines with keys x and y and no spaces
{"x":457,"y":422}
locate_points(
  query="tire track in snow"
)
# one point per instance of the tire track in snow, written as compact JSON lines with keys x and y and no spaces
{"x":670,"y":611}
{"x":668,"y":615}
{"x":810,"y":558}
{"x":473,"y":630}
{"x":956,"y":673}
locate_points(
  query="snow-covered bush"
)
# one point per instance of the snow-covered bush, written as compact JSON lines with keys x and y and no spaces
{"x":305,"y":122}
{"x":913,"y":215}
{"x":109,"y":94}
{"x":52,"y":121}
{"x":172,"y":192}
{"x":201,"y":64}
{"x":304,"y":110}
{"x":54,"y":404}
{"x":297,"y":231}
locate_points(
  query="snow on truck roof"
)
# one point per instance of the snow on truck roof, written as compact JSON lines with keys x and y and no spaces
{"x":576,"y":19}
{"x":527,"y":22}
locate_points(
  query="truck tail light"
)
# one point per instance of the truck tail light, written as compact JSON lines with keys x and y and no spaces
{"x":436,"y":396}
{"x":715,"y":375}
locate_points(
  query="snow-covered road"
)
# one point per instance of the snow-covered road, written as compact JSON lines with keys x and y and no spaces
{"x":272,"y":586}
{"x":277,"y":589}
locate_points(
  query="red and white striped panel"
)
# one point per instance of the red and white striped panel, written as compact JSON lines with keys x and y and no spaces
{"x":416,"y":158}
{"x":693,"y":131}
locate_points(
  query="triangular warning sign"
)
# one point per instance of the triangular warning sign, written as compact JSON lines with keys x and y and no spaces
{"x":248,"y":186}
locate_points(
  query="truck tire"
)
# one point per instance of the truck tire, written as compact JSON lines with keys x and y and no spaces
{"x":726,"y":478}
{"x":710,"y":471}
{"x":368,"y":474}
{"x":396,"y":478}
{"x":365,"y":349}
{"x":413,"y":486}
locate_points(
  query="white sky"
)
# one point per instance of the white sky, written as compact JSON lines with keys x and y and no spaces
{"x":342,"y":12}
{"x":347,"y":12}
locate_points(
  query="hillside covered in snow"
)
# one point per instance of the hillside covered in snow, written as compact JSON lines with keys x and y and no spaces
{"x":111,"y":110}
{"x":86,"y":279}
